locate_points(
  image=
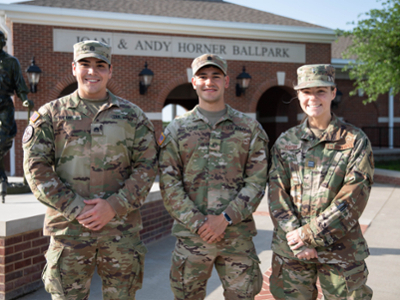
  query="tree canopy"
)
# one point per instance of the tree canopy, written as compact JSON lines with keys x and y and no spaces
{"x":376,"y":48}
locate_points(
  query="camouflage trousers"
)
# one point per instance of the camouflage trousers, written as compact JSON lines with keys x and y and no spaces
{"x":235,"y":260}
{"x":294,"y":279}
{"x":71,"y":262}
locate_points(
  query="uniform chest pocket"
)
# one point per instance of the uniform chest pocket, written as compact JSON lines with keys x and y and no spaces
{"x":336,"y":170}
{"x":194,"y":145}
{"x":112,"y":138}
{"x":72,"y":137}
{"x":292,"y":159}
{"x":74,"y":130}
{"x":113,"y":133}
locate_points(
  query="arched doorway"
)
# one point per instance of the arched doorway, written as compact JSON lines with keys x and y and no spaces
{"x":276,"y":112}
{"x":183,"y":96}
{"x":68,"y":89}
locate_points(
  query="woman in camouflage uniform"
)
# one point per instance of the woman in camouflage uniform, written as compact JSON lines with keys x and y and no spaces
{"x":319,"y":183}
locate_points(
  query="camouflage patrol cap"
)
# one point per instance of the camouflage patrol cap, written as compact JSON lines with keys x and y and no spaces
{"x":315,"y":75}
{"x":209,"y":60}
{"x":92,"y":49}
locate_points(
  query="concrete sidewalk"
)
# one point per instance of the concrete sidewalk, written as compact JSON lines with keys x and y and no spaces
{"x":380,"y":219}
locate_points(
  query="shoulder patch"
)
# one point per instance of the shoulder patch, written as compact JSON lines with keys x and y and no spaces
{"x":366,"y":165}
{"x":371,"y":159}
{"x":28,"y":134}
{"x":34,"y":117}
{"x":161,"y":139}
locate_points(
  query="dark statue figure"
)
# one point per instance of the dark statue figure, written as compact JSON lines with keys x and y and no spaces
{"x":11,"y":80}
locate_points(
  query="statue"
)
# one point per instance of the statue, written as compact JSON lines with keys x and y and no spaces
{"x":11,"y":80}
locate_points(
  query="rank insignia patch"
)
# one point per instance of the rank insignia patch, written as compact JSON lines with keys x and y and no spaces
{"x":161,"y":139}
{"x":28,"y":134}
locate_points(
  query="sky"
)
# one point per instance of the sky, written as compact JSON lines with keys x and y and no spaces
{"x":327,"y":13}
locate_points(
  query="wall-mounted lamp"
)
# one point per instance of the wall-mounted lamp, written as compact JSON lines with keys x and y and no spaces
{"x":145,"y":78}
{"x":242,"y":82}
{"x":33,"y":72}
{"x":337,"y":99}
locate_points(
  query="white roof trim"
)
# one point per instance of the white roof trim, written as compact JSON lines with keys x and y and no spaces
{"x":41,"y":15}
{"x":339,"y":63}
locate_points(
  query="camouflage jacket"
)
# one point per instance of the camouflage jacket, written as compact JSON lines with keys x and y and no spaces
{"x":207,"y":170}
{"x":11,"y":78}
{"x":74,"y":155}
{"x":321,"y":186}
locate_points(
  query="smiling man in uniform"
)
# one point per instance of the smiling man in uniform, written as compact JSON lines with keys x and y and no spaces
{"x":213,"y":163}
{"x":91,"y":158}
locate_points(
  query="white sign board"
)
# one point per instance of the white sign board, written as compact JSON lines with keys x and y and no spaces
{"x":173,"y":46}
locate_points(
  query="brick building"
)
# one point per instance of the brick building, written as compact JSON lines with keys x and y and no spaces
{"x":374,"y":118}
{"x":167,"y":35}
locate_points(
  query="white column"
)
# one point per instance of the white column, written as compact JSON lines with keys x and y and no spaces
{"x":7,"y":32}
{"x":391,"y":118}
{"x":173,"y":111}
{"x":189,"y":74}
{"x":281,"y":78}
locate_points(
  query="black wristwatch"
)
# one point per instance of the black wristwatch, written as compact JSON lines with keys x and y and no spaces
{"x":227,"y":218}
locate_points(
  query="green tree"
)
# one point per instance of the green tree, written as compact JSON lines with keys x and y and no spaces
{"x":376,"y":46}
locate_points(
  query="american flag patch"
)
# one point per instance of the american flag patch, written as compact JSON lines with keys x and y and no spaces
{"x":35,"y":117}
{"x":161,"y":139}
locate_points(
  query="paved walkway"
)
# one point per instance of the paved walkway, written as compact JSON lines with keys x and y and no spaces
{"x":380,"y":220}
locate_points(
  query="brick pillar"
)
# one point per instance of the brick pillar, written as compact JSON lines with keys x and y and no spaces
{"x":156,"y":220}
{"x":21,"y":263}
{"x":22,"y":255}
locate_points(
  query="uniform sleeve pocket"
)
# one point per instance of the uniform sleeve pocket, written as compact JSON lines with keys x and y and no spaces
{"x":356,"y":277}
{"x":276,"y":281}
{"x":51,"y":273}
{"x":140,"y":248}
{"x":138,"y":267}
{"x":257,"y":274}
{"x":177,"y":274}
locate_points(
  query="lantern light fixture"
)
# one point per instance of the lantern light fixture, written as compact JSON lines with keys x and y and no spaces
{"x":242,"y":82}
{"x":145,"y":78}
{"x":33,"y":72}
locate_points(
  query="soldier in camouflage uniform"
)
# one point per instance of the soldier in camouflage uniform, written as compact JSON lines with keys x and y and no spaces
{"x":213,"y":164}
{"x":11,"y":81}
{"x":91,"y":158}
{"x":319,"y":183}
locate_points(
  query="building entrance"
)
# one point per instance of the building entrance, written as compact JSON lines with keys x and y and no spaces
{"x":277,"y":111}
{"x":69,"y":89}
{"x":181,"y":99}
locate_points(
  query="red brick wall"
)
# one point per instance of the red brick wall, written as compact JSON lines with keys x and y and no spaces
{"x":21,"y":263}
{"x":354,"y":111}
{"x":157,"y":222}
{"x":386,"y":179}
{"x":22,"y":256}
{"x":37,"y":40}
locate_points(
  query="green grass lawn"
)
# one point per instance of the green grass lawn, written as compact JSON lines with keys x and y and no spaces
{"x":388,"y":165}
